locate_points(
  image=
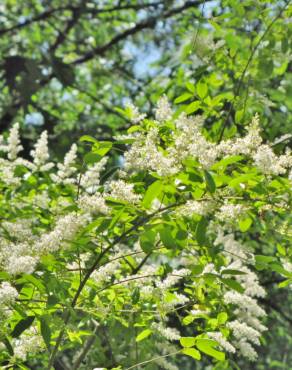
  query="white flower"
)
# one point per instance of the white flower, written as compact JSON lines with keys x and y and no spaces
{"x":244,"y":302}
{"x":192,"y":207}
{"x":168,"y":333}
{"x":145,"y":154}
{"x":163,"y":363}
{"x":93,"y":203}
{"x":245,"y":145}
{"x":119,"y":189}
{"x":173,"y":278}
{"x":247,"y":350}
{"x":40,"y":153}
{"x":218,"y":337}
{"x":21,"y":264}
{"x":104,"y":273}
{"x":66,"y":169}
{"x":29,"y":343}
{"x":230,"y":212}
{"x":135,"y":115}
{"x":13,"y":142}
{"x":242,"y":331}
{"x":91,"y":178}
{"x":19,"y":229}
{"x":163,"y":111}
{"x":8,"y":294}
{"x":266,"y":161}
{"x":65,"y":230}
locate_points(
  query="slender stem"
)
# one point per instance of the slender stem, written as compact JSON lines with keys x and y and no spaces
{"x":153,"y":359}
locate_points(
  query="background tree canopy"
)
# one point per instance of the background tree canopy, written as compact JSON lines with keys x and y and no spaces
{"x":70,"y":67}
{"x":66,"y":66}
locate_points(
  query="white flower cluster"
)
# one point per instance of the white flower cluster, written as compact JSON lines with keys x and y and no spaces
{"x":167,"y":332}
{"x":230,"y":212}
{"x":90,"y":180}
{"x":67,"y":169}
{"x":29,"y":343}
{"x":93,"y":204}
{"x":65,"y":230}
{"x":8,"y":294}
{"x":232,"y":248}
{"x":13,"y":143}
{"x":188,"y":141}
{"x":105,"y":273}
{"x":163,"y":111}
{"x":193,"y":207}
{"x":20,"y":264}
{"x":134,"y":113}
{"x":23,"y":242}
{"x":219,"y":338}
{"x":267,"y":161}
{"x":120,"y":190}
{"x":145,"y":154}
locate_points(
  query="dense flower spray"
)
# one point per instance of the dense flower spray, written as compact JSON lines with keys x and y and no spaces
{"x":154,"y":240}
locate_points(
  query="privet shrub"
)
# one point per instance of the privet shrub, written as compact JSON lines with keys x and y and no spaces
{"x":154,"y":263}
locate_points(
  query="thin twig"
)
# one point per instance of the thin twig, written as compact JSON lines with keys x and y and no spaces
{"x":153,"y":359}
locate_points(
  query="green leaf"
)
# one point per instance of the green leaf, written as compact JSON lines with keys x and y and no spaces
{"x":187,"y":341}
{"x":192,"y":352}
{"x":135,"y":295}
{"x":245,"y":224}
{"x":166,"y":237}
{"x":207,"y":346}
{"x":222,"y":318}
{"x":202,"y":90}
{"x":45,"y":330}
{"x":91,"y":158}
{"x":8,"y":346}
{"x":239,"y":115}
{"x":233,"y":284}
{"x":4,"y":275}
{"x":144,"y":334}
{"x":193,"y":107}
{"x":187,"y":320}
{"x":201,"y":231}
{"x":232,"y":272}
{"x":22,"y":325}
{"x":153,"y":191}
{"x":36,"y":282}
{"x":265,"y":259}
{"x":102,"y":147}
{"x":147,"y":240}
{"x":183,"y":98}
{"x":281,"y":250}
{"x":285,"y":283}
{"x":279,"y":268}
{"x":197,"y":269}
{"x":211,"y":186}
{"x":191,"y":87}
{"x":88,"y":139}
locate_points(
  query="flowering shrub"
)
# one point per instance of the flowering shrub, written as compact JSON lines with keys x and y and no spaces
{"x":150,"y":264}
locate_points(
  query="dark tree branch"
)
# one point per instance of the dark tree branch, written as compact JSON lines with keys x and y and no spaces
{"x":148,"y":23}
{"x":50,"y":12}
{"x":151,"y":22}
{"x":76,"y":14}
{"x":41,"y":17}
